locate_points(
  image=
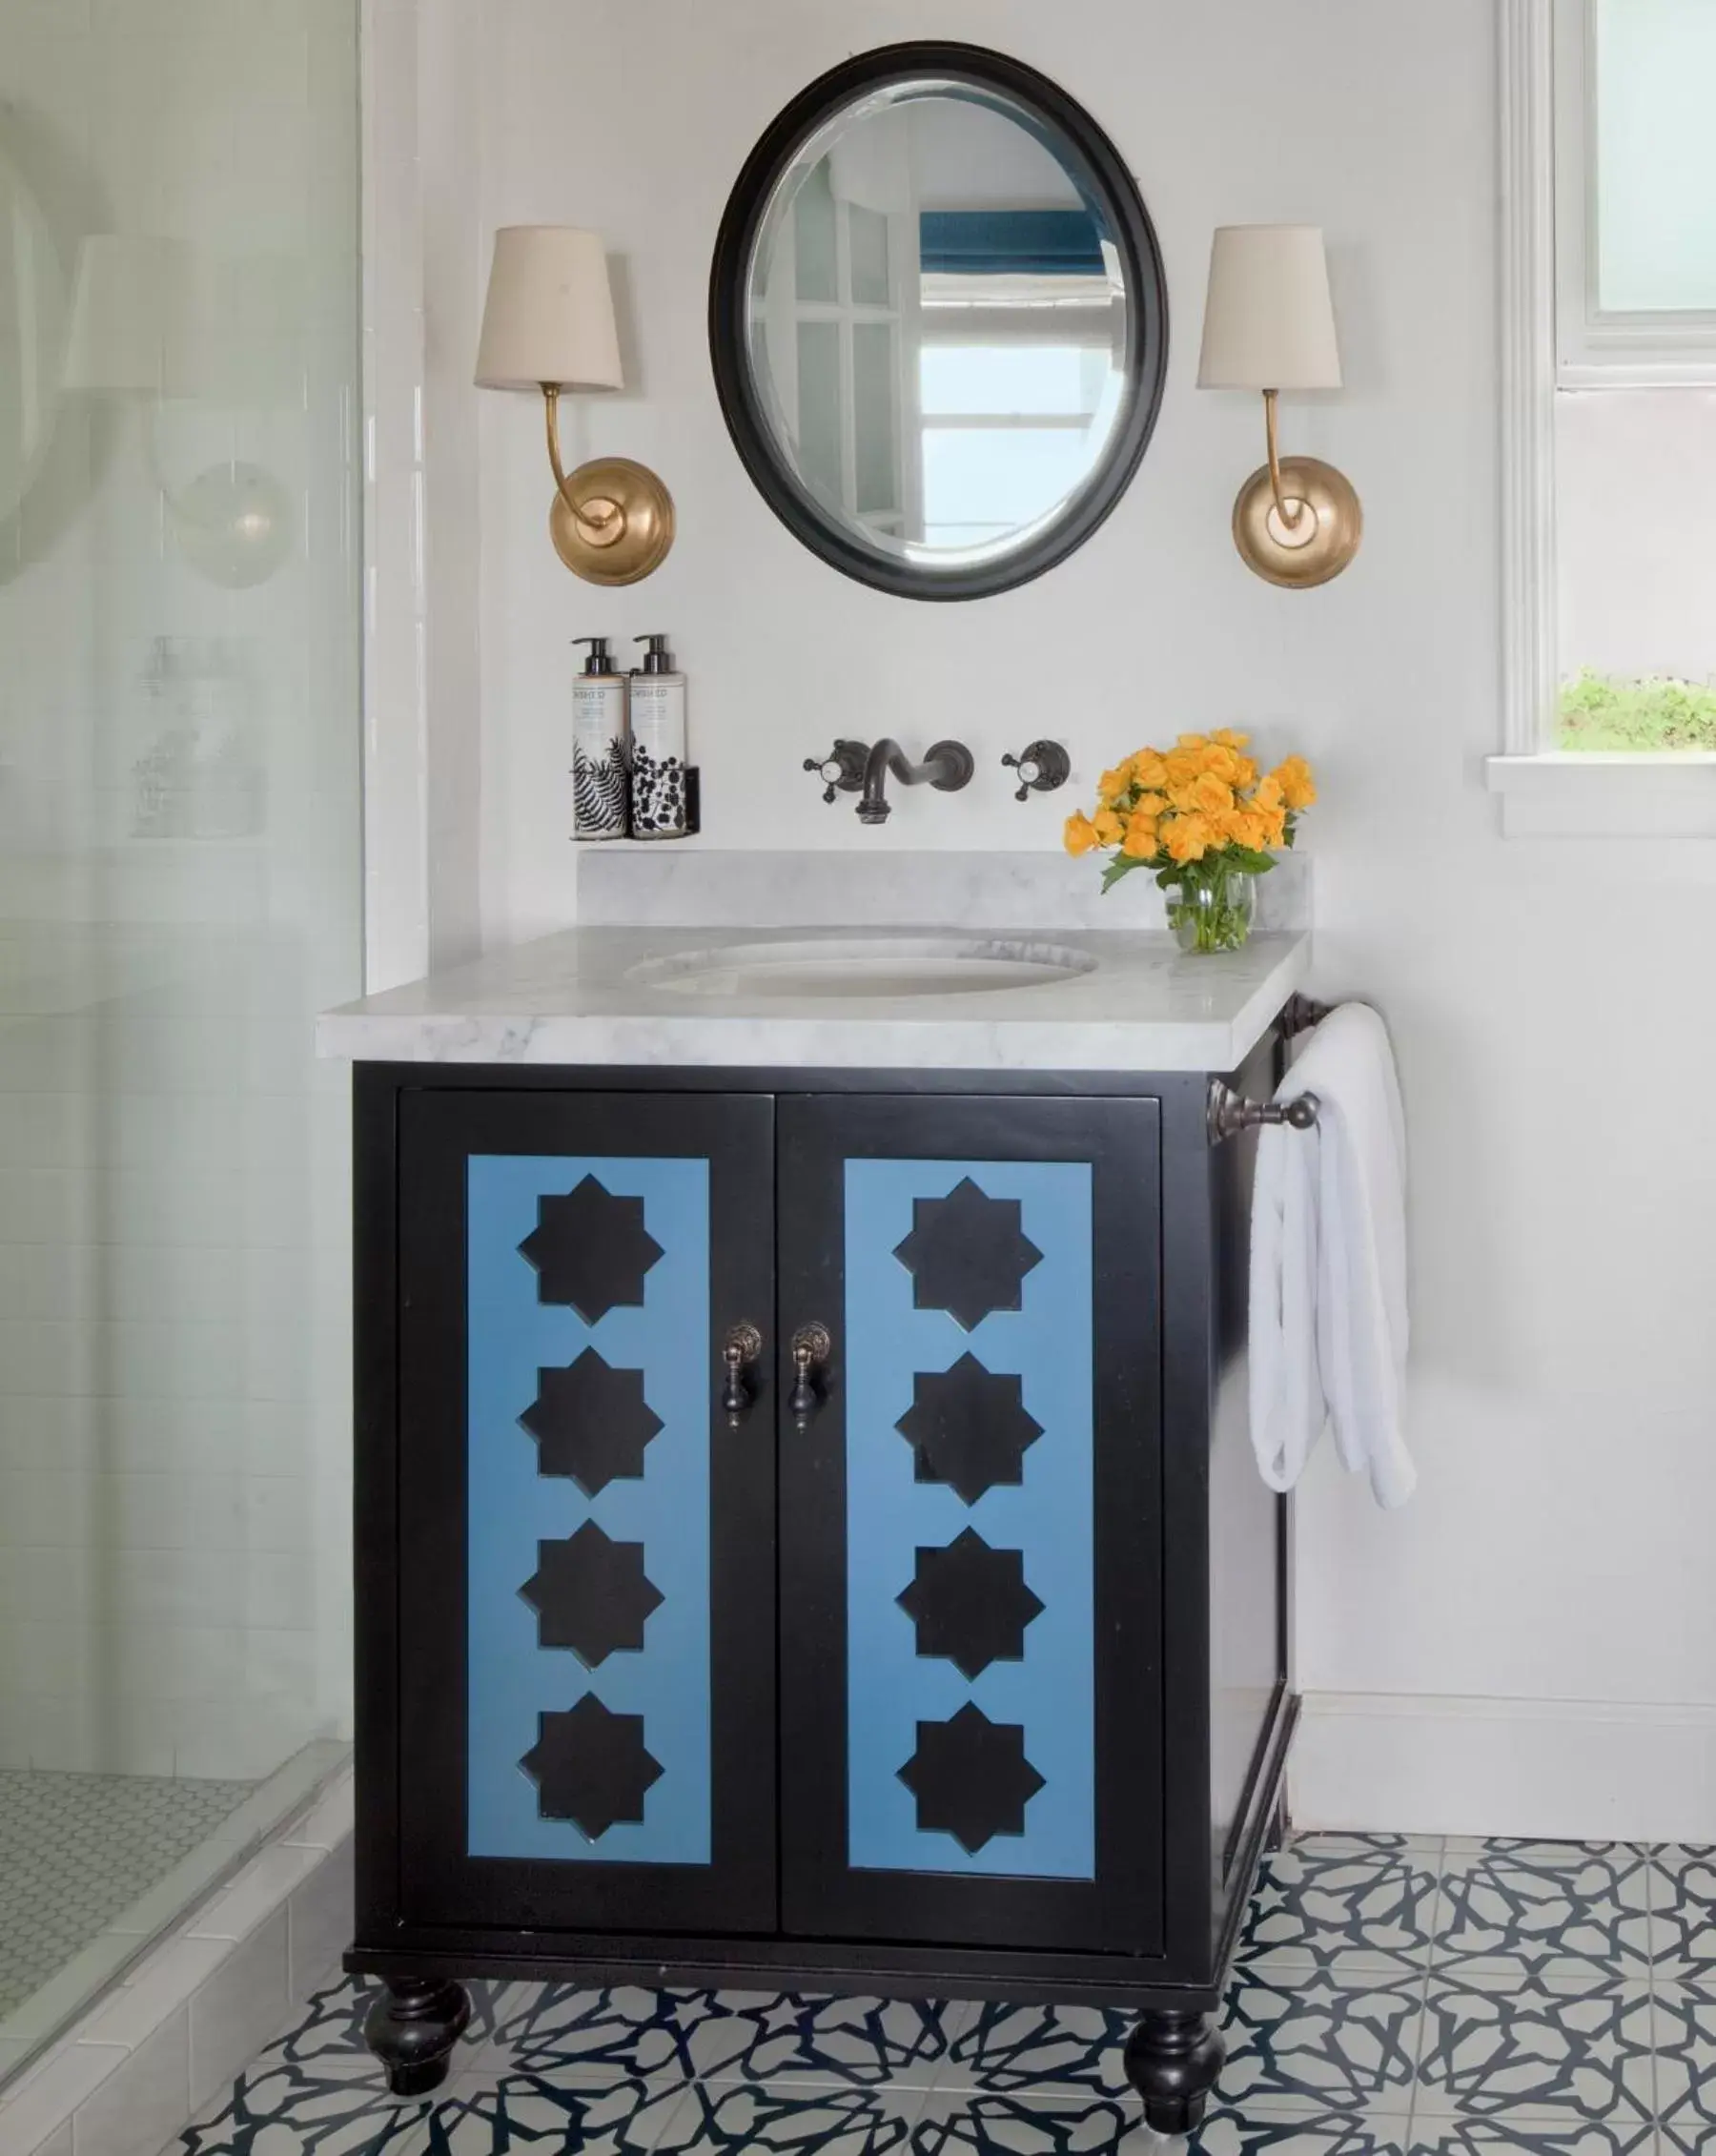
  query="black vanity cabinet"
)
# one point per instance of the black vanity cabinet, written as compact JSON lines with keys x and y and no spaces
{"x":802,"y":1544}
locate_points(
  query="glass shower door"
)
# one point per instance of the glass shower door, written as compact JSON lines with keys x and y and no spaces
{"x":180,"y":582}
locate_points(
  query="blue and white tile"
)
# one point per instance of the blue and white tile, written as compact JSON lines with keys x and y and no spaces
{"x":1003,"y":2048}
{"x":733,"y":2036}
{"x":740,"y":2119}
{"x":1683,"y":1914}
{"x":1530,"y":2137}
{"x":1077,"y":2123}
{"x":1516,"y":1909}
{"x":1299,"y":2041}
{"x":1566,"y":2046}
{"x":1684,"y":2017}
{"x":484,"y":2115}
{"x":1353,"y":1904}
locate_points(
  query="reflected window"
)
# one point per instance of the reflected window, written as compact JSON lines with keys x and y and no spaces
{"x":1006,"y":434}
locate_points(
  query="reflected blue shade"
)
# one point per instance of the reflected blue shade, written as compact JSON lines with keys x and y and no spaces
{"x":1021,"y":242}
{"x":1047,"y":1343}
{"x":512,"y":1679}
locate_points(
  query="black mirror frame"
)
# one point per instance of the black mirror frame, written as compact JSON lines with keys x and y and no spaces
{"x":1146,"y":357}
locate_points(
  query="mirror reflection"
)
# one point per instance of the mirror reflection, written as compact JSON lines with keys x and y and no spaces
{"x":937,"y":324}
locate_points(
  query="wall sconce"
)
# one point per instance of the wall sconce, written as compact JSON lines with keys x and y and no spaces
{"x":1268,"y":325}
{"x":549,"y":325}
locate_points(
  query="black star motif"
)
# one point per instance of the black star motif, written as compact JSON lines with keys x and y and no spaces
{"x":590,"y":1767}
{"x":968,"y":1427}
{"x":970,"y":1602}
{"x":591,"y":1594}
{"x":966,"y":1254}
{"x":971,"y":1777}
{"x":591,"y":1421}
{"x":591,"y":1250}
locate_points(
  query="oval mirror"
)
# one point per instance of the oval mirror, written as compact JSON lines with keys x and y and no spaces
{"x":938,"y":321}
{"x":32,"y":323}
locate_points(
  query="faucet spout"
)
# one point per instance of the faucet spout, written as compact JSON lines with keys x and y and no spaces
{"x":946,"y":768}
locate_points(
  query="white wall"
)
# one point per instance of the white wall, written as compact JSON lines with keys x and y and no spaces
{"x":1546,"y":999}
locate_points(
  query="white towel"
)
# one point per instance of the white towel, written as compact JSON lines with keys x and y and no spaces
{"x":1328,"y":1266}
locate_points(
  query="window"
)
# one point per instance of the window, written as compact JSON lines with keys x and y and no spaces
{"x":1609,"y":203}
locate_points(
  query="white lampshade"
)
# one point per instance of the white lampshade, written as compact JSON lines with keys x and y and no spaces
{"x":1269,"y":321}
{"x":130,"y":331}
{"x":550,"y":312}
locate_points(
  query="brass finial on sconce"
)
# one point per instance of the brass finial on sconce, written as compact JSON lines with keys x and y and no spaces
{"x":549,"y":325}
{"x":1269,"y":325}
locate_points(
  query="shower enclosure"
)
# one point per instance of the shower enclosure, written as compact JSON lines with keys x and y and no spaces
{"x":180,"y":889}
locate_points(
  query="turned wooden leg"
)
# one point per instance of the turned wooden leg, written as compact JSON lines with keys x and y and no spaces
{"x":1171,"y":2059}
{"x":412,"y":2029}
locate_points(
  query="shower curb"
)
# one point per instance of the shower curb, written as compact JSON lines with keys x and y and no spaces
{"x":151,"y":2053}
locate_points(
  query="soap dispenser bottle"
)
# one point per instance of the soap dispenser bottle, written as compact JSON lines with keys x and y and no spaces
{"x":660,"y":807}
{"x":599,"y":773}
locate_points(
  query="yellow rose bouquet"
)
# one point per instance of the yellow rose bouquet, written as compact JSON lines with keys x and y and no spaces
{"x":1204,"y":818}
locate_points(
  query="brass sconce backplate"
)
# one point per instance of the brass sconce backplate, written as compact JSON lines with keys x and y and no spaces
{"x":622,"y":528}
{"x":1298,"y":551}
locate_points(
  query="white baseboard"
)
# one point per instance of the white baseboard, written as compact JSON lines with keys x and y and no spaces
{"x":1567,"y":1770}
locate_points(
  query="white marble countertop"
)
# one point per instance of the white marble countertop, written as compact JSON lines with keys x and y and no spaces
{"x":575,"y":998}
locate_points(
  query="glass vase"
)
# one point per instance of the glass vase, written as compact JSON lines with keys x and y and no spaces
{"x":1211,"y":908}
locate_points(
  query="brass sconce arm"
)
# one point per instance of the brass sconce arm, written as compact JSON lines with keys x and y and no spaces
{"x":612,"y":520}
{"x":1289,"y":512}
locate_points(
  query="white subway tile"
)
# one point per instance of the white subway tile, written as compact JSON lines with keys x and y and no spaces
{"x":259,"y":1890}
{"x":145,"y":2100}
{"x":50,"y":2094}
{"x":235,"y":2012}
{"x":320,"y":1921}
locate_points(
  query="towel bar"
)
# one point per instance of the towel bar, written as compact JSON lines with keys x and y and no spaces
{"x":1229,"y":1112}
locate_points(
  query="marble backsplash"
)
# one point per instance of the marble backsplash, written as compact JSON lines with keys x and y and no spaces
{"x":654,"y":886}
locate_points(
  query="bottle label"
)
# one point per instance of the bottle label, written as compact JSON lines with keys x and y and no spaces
{"x":658,"y":762}
{"x":600,"y":778}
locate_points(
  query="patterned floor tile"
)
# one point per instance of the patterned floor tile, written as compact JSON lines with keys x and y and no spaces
{"x":1565,"y":2048}
{"x":716,"y":2118}
{"x":1684,"y":2029}
{"x":77,"y":1850}
{"x":731,"y":2036}
{"x":1683,"y":1914}
{"x":1004,"y":2047}
{"x":1350,"y":1908}
{"x":480,"y":2115}
{"x":1297,"y":2041}
{"x":1074,"y":2123}
{"x":1515,"y":1908}
{"x":1516,"y":2137}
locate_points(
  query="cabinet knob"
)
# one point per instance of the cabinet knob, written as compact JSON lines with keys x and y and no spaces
{"x":811,"y":1346}
{"x":743,"y":1345}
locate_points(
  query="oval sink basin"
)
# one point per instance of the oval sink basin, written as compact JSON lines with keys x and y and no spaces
{"x":864,"y":966}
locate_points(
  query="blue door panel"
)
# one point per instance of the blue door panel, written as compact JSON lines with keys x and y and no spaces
{"x":1037,"y":1532}
{"x":651,"y":1498}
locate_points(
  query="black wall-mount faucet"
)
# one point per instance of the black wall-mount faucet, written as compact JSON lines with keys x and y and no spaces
{"x":857,"y":766}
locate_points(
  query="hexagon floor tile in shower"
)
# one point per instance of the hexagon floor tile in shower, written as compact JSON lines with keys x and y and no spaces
{"x":77,"y":1850}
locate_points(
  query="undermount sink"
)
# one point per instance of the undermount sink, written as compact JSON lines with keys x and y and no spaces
{"x":864,"y":966}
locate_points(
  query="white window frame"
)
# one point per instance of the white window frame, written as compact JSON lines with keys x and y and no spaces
{"x":1554,"y":337}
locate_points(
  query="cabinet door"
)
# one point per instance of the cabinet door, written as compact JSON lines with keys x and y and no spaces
{"x":586,"y":1537}
{"x":971,"y":1523}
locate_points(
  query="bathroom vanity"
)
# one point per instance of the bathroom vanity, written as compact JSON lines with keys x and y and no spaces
{"x":806,"y":1531}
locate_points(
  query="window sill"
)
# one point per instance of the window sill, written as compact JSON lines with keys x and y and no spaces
{"x":1591,"y":795}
